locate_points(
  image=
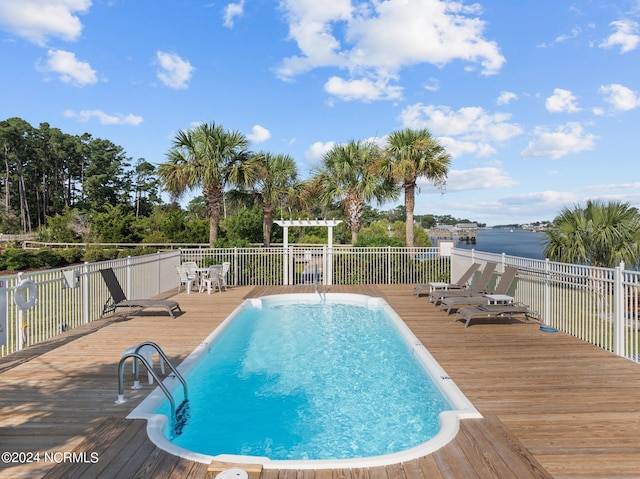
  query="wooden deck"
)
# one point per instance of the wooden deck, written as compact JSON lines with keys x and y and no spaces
{"x":553,"y":406}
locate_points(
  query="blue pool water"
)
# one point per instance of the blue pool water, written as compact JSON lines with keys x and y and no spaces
{"x":311,"y":381}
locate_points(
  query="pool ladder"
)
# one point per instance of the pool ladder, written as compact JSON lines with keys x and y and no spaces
{"x":136,"y":355}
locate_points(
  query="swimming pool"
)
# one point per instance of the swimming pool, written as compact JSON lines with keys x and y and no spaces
{"x":284,"y":393}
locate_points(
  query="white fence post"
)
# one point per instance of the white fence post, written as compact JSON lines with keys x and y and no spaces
{"x":85,"y":294}
{"x":19,"y":319}
{"x":159,"y":271}
{"x":619,"y":325}
{"x":547,"y":293}
{"x":235,"y":266}
{"x":129,"y":282}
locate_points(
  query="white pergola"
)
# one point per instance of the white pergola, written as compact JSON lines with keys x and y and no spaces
{"x":286,"y":224}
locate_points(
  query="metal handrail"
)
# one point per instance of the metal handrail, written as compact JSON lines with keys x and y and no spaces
{"x":166,"y":360}
{"x":121,"y":399}
{"x":136,"y":355}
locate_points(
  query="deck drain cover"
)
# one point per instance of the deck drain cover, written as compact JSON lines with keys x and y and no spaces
{"x":233,"y":474}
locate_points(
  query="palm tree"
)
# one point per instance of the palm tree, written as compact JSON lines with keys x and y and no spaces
{"x":410,"y":155}
{"x":601,"y":234}
{"x":346,"y":175}
{"x":208,"y":157}
{"x":275,"y":182}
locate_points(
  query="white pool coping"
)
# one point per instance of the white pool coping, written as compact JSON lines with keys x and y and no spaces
{"x":449,"y":420}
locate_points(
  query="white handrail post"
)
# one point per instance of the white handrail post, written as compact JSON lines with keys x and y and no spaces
{"x":85,"y":294}
{"x":389,"y":264}
{"x":618,"y":312}
{"x":547,"y":292}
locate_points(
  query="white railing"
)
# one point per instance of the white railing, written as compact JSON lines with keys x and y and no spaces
{"x":66,"y":303}
{"x":597,"y":305}
{"x":336,"y":265}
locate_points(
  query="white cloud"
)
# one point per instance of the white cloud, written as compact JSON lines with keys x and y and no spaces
{"x":363,"y":89}
{"x":626,"y":36}
{"x":566,"y":139}
{"x":468,"y":123}
{"x":316,"y":151}
{"x":259,"y":134}
{"x":562,"y":101}
{"x":457,"y":148}
{"x":620,"y":97}
{"x":39,"y":20}
{"x":84,"y":116}
{"x":174,"y":71}
{"x":478,"y":179}
{"x":575,"y":31}
{"x":69,"y":68}
{"x":336,"y":33}
{"x":432,"y":85}
{"x":231,"y":11}
{"x":549,"y":200}
{"x":506,"y":97}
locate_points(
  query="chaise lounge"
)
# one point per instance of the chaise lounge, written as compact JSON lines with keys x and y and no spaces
{"x":119,"y":300}
{"x":494,"y":311}
{"x":501,"y":289}
{"x":479,"y":288}
{"x":462,"y":282}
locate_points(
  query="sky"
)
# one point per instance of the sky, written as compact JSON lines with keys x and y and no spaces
{"x":536,"y":101}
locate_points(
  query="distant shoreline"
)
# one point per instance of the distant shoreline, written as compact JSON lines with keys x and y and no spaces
{"x":519,"y":242}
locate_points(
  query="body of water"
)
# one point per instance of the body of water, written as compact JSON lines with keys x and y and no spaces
{"x":525,"y":244}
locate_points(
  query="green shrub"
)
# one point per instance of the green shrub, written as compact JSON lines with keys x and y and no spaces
{"x":72,"y":255}
{"x":19,"y":259}
{"x":95,"y":254}
{"x":50,"y":257}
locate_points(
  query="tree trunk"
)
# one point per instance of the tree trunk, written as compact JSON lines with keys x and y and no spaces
{"x":355,"y":209}
{"x":267,"y":224}
{"x":7,"y":197}
{"x":213,"y":197}
{"x":25,"y":218}
{"x":409,"y":204}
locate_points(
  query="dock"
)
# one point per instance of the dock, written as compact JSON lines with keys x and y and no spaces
{"x":463,"y":232}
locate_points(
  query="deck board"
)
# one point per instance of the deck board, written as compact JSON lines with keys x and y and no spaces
{"x":553,"y":406}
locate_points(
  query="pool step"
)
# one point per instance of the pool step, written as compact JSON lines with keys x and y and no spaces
{"x":253,"y":470}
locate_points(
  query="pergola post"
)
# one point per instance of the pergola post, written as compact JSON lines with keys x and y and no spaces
{"x":327,"y":277}
{"x":285,"y":256}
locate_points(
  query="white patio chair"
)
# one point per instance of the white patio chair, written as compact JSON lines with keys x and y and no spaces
{"x":185,"y":278}
{"x":226,"y":266}
{"x":212,"y":279}
{"x":192,"y":270}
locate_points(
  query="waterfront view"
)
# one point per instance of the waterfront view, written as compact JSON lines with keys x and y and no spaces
{"x":526,"y":244}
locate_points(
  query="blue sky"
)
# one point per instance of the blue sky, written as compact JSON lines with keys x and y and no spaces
{"x":537,"y":101}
